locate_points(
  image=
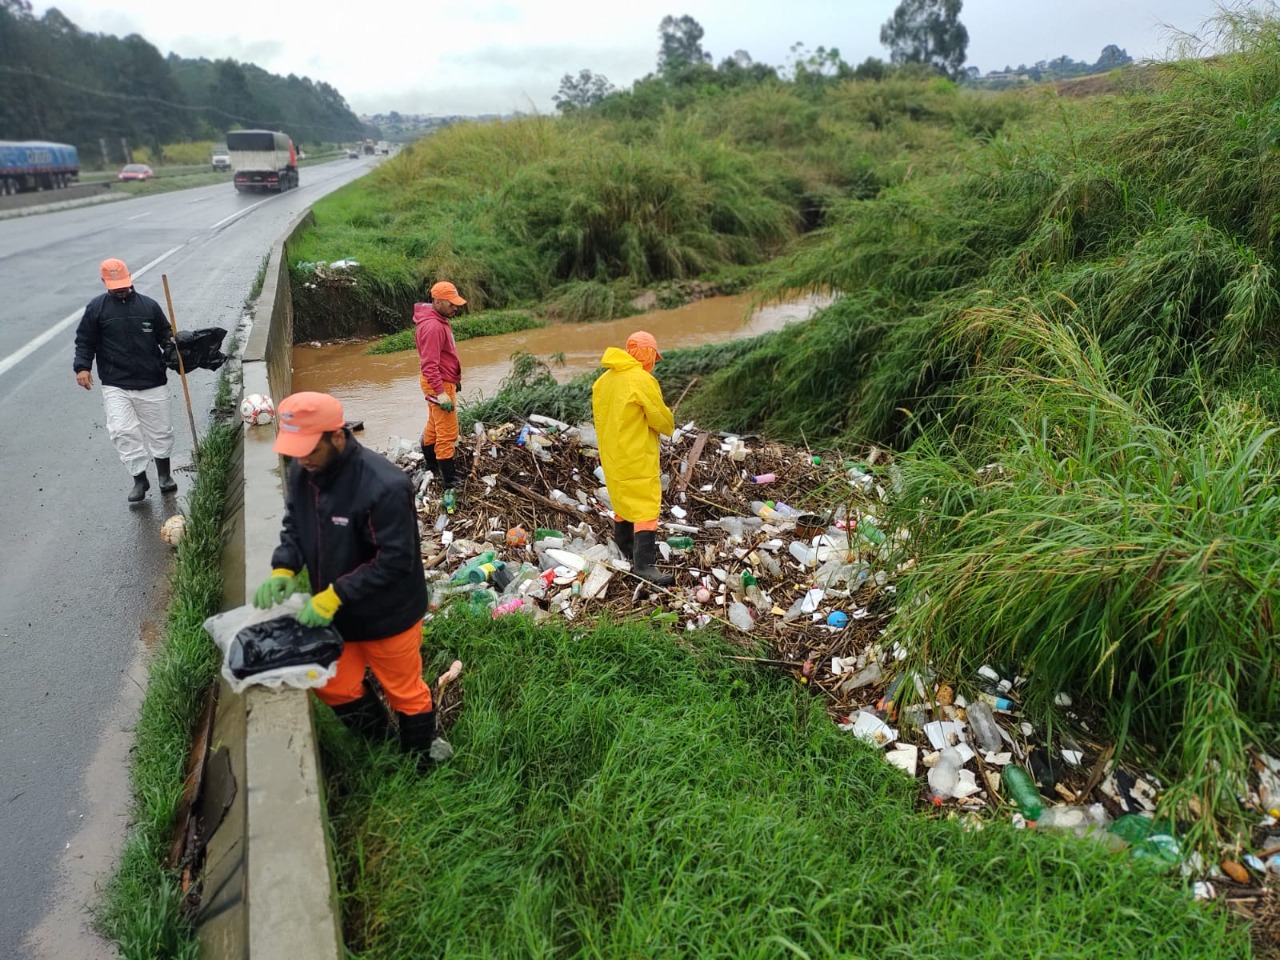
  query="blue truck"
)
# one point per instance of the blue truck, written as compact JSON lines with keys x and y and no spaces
{"x":31,"y":165}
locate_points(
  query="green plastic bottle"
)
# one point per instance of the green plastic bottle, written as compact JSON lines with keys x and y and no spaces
{"x":1022,"y":791}
{"x":546,"y":533}
{"x":464,"y":572}
{"x":680,"y":543}
{"x":450,"y":501}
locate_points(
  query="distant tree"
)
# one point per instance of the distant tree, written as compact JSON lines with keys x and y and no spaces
{"x":585,"y":90}
{"x":872,"y":68}
{"x":1112,"y":57}
{"x":928,"y":32}
{"x":681,"y":45}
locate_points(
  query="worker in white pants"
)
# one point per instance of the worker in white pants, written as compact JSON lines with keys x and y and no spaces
{"x":129,"y":336}
{"x":139,"y":425}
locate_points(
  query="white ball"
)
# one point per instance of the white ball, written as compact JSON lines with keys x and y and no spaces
{"x":257,"y":408}
{"x":171,"y":530}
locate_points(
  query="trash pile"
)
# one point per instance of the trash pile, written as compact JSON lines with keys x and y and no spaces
{"x":787,"y":550}
{"x":339,"y":273}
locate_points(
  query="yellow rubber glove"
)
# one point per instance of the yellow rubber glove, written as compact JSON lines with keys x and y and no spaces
{"x":320,"y":609}
{"x":276,"y":589}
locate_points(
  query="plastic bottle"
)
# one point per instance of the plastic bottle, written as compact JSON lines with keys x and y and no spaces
{"x":524,"y":436}
{"x":542,"y":533}
{"x":1022,"y":791}
{"x":944,"y":776}
{"x":870,"y":531}
{"x":482,"y":599}
{"x":464,"y":572}
{"x":764,"y":478}
{"x":1078,"y":819}
{"x":751,"y":590}
{"x":762,"y":509}
{"x":805,"y":555}
{"x":450,"y":501}
{"x":784,"y":512}
{"x":486,"y":571}
{"x":680,"y":543}
{"x":598,"y":472}
{"x":740,"y":617}
{"x":562,"y":498}
{"x":983,"y":724}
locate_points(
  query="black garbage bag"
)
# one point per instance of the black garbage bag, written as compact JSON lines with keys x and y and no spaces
{"x":282,"y":642}
{"x":201,"y":349}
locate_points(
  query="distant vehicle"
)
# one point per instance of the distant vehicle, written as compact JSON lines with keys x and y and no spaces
{"x":262,"y":160}
{"x":384,"y":147}
{"x":353,"y":154}
{"x":135,"y":171}
{"x":369,"y":148}
{"x":221,"y":159}
{"x":32,"y":165}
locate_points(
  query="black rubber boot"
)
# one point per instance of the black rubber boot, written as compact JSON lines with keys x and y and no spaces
{"x":646,"y":551}
{"x":429,"y":458}
{"x":366,"y":717}
{"x":624,"y":535}
{"x":140,"y":487}
{"x":417,"y":731}
{"x":167,"y":483}
{"x":449,"y":479}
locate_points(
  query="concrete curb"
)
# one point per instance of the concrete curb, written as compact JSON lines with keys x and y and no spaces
{"x":271,"y":892}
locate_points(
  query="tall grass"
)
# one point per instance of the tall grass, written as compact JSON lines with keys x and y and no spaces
{"x":1107,"y":555}
{"x":618,"y":793}
{"x":142,"y":909}
{"x":488,"y":324}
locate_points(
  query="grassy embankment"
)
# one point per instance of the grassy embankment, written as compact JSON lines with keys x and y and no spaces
{"x":142,"y":909}
{"x":575,"y":217}
{"x":618,"y":794}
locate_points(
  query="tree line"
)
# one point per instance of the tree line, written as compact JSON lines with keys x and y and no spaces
{"x":105,"y":94}
{"x":921,"y":35}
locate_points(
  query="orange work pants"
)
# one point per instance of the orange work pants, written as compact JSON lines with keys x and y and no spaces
{"x":442,"y":428}
{"x":639,"y":525}
{"x":395,"y":661}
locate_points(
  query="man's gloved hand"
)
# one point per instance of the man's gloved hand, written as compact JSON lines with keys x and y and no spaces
{"x":278,"y":588}
{"x":320,"y":609}
{"x":446,"y":402}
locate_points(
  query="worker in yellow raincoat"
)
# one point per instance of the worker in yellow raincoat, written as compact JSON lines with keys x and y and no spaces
{"x":629,"y":415}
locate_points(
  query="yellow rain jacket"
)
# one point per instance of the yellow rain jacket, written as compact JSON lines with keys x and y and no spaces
{"x":629,"y":415}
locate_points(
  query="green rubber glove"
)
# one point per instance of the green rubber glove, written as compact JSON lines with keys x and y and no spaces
{"x":278,"y":588}
{"x":319,"y":610}
{"x":446,"y":402}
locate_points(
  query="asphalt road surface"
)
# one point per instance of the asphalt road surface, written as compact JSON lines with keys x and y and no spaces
{"x":85,"y":574}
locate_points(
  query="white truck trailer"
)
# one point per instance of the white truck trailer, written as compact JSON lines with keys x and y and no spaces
{"x":262,"y":160}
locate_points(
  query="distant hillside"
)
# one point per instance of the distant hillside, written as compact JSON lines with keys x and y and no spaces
{"x":58,"y":82}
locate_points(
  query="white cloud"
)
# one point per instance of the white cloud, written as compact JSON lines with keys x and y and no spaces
{"x":494,"y":56}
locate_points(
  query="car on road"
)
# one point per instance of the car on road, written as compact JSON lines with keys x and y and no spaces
{"x":221,"y":159}
{"x":135,"y":171}
{"x":353,"y":154}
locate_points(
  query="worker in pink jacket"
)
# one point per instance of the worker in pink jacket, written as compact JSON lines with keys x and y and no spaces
{"x":441,"y":380}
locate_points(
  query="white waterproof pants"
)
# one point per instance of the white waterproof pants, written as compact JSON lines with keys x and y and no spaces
{"x":139,"y":424}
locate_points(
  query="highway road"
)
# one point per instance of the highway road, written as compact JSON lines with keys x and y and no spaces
{"x":85,"y":574}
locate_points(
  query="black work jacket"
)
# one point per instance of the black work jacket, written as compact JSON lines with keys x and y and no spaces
{"x":128,"y":337}
{"x":354,"y":527}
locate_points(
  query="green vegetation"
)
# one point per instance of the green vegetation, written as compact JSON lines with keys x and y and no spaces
{"x":166,"y":184}
{"x":616,"y":794}
{"x":142,"y":909}
{"x":487,"y":324}
{"x":573,"y":216}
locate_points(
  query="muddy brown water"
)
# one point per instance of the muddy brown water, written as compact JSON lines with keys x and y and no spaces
{"x":383,"y":390}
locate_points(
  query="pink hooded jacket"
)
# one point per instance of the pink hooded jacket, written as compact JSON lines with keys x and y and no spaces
{"x":436,"y":349}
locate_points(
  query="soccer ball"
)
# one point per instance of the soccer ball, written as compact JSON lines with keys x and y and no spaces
{"x":171,"y":530}
{"x":257,"y":408}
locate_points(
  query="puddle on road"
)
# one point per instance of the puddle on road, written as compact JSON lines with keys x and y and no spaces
{"x":383,"y":390}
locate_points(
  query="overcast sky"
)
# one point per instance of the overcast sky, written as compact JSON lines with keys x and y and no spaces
{"x":497,"y":56}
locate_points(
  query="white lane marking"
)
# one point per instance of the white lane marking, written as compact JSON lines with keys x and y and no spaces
{"x":139,"y":216}
{"x":241,"y":213}
{"x":15,"y":358}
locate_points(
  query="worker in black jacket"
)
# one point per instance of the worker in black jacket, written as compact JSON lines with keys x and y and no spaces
{"x":129,"y":334}
{"x":350,"y":520}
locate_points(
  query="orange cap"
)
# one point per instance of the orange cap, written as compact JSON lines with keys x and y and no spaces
{"x":642,"y":339}
{"x":115,"y":274}
{"x":444,"y":290}
{"x":303,"y":418}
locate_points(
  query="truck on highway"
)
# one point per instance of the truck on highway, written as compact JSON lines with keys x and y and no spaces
{"x":384,"y":147}
{"x":31,"y":165}
{"x":221,"y":159}
{"x":369,"y":148}
{"x":262,"y":160}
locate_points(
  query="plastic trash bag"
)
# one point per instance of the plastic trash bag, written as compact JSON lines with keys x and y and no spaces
{"x":271,"y":648}
{"x":200,"y":349}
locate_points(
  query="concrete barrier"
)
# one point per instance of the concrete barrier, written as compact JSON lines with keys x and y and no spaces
{"x":40,"y":197}
{"x":269,"y":888}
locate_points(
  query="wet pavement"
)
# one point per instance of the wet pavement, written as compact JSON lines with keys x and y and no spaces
{"x":383,"y":390}
{"x":84,"y":574}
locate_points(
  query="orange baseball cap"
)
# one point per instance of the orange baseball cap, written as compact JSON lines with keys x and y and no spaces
{"x":641,"y":339}
{"x":303,"y":418}
{"x":444,"y":290}
{"x":115,"y":274}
